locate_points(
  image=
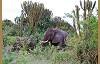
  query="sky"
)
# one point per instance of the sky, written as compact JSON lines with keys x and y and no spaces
{"x":12,"y":8}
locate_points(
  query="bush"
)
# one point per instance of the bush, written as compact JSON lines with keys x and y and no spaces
{"x":8,"y":58}
{"x":87,"y":48}
{"x":87,"y":53}
{"x":8,"y":40}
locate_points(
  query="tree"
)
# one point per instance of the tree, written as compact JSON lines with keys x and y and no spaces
{"x":33,"y":11}
{"x":87,"y":6}
{"x":60,"y":23}
{"x":75,"y":16}
{"x":8,"y":28}
{"x":45,"y":21}
{"x":34,"y":17}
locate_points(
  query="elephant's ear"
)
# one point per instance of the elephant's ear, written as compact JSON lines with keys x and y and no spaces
{"x":53,"y":34}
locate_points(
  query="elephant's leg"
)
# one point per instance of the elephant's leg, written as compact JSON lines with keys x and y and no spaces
{"x":50,"y":42}
{"x":60,"y":46}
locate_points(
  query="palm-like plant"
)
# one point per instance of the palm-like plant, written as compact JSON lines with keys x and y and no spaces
{"x":87,"y":6}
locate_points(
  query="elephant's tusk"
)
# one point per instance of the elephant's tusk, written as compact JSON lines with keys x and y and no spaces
{"x":44,"y":41}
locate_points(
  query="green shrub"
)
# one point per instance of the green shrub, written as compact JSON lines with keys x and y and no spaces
{"x":87,"y":49}
{"x":8,"y":40}
{"x":8,"y":57}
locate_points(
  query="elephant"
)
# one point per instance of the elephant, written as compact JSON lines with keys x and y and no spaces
{"x":55,"y":36}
